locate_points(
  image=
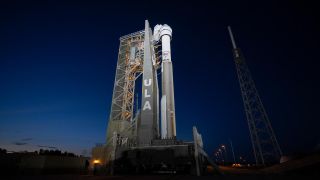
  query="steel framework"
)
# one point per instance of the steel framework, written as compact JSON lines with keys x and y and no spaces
{"x":129,"y":68}
{"x":123,"y":118}
{"x":265,"y":145}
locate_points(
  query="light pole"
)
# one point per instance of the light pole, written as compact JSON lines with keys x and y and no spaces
{"x":216,"y":154}
{"x":234,"y":158}
{"x":221,"y":153}
{"x":225,"y":152}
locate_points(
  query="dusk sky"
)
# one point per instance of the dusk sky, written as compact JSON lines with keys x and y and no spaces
{"x":58,"y":61}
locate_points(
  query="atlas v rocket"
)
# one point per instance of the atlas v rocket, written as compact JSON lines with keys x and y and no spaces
{"x":168,"y":117}
{"x":148,"y":127}
{"x":139,"y":55}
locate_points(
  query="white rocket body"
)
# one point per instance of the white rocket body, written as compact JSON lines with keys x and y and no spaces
{"x":163,"y":117}
{"x":168,"y":118}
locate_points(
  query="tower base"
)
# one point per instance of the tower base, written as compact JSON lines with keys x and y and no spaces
{"x":163,"y":156}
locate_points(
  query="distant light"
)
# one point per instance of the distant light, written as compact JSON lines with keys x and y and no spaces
{"x":96,"y":161}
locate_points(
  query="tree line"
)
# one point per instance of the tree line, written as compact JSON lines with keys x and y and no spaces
{"x":45,"y":152}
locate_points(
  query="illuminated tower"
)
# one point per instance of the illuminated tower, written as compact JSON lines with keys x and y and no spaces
{"x":265,"y":146}
{"x":128,"y":69}
{"x":139,"y":57}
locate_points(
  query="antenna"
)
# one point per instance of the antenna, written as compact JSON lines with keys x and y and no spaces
{"x":231,"y":37}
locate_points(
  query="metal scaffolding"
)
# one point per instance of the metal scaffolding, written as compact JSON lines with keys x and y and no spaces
{"x":129,"y":68}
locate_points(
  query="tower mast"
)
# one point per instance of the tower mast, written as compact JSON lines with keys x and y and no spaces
{"x":264,"y":143}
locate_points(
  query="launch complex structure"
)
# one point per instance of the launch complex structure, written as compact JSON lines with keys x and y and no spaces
{"x":142,"y":137}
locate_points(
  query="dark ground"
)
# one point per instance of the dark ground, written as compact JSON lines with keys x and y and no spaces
{"x":303,"y":168}
{"x":161,"y":177}
{"x":227,"y":173}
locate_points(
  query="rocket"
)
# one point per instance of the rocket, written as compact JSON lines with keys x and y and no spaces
{"x":163,"y":33}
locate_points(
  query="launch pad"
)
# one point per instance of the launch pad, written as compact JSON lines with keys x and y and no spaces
{"x":141,"y":134}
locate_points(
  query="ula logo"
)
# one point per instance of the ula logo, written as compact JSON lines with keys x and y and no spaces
{"x":146,"y":83}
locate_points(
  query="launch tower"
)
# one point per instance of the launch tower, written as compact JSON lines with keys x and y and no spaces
{"x":139,"y":55}
{"x":265,"y":145}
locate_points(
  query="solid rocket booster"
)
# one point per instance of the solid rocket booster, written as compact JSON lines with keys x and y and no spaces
{"x":168,"y":118}
{"x":163,"y":117}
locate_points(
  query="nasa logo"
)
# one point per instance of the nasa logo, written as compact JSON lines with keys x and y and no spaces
{"x":147,"y":82}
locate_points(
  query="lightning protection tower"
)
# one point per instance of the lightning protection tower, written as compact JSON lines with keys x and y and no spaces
{"x":265,"y":146}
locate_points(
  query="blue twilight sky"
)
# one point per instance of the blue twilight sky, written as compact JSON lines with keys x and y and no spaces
{"x":58,"y":58}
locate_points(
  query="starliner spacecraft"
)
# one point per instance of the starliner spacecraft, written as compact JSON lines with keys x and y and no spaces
{"x":140,"y":131}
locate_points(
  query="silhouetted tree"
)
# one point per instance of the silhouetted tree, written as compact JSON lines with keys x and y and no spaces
{"x":56,"y":153}
{"x":3,"y":151}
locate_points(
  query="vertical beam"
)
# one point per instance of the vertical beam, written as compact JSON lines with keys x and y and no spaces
{"x":196,"y":150}
{"x":234,"y":158}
